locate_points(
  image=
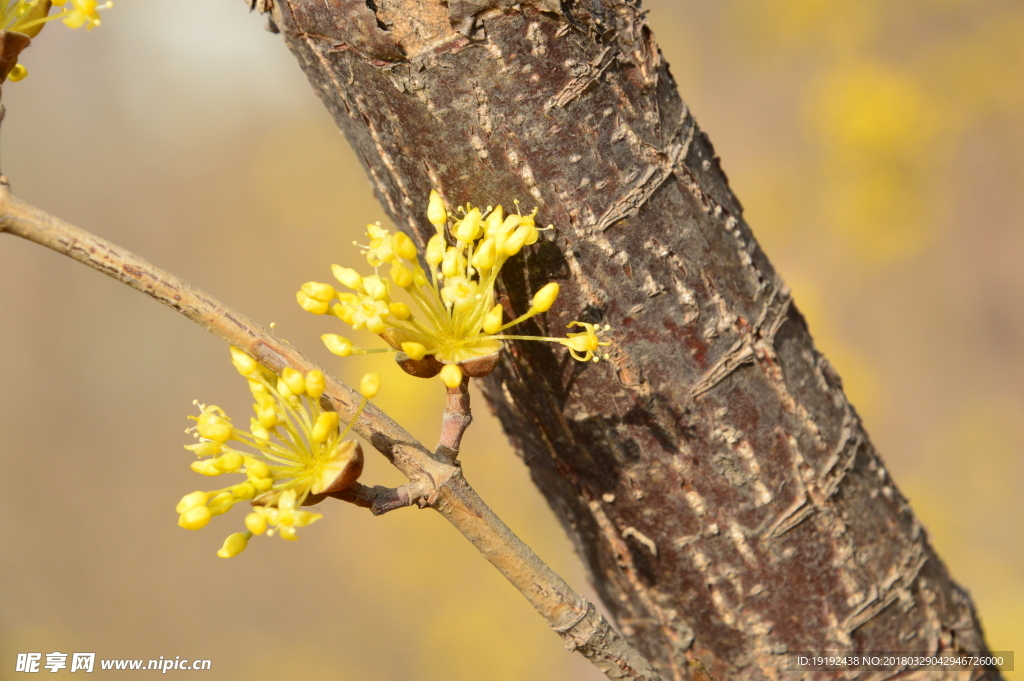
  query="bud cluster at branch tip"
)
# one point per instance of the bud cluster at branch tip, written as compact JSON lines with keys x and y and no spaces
{"x":28,"y":17}
{"x":293,"y":453}
{"x":453,"y":328}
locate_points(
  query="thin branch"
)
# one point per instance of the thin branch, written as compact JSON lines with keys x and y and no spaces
{"x":432,"y":478}
{"x":456,"y":420}
{"x":378,"y":499}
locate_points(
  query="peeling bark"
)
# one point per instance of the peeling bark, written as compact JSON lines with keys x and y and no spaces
{"x":712,"y":475}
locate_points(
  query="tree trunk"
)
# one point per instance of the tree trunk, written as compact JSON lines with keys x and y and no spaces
{"x":712,"y":475}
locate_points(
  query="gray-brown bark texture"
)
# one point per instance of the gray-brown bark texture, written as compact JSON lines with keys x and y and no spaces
{"x":712,"y":475}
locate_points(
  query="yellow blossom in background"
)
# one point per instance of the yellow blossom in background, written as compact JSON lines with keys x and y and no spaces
{"x":29,"y":16}
{"x":82,"y":13}
{"x":294,"y":450}
{"x":457,"y":328}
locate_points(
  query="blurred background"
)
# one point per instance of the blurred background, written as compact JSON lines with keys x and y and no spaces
{"x":878,"y":148}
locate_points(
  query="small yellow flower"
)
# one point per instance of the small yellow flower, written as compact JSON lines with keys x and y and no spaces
{"x":456,"y":320}
{"x":584,"y":345}
{"x":82,"y":13}
{"x":293,"y":449}
{"x":28,"y":17}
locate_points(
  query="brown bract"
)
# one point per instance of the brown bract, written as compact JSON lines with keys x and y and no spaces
{"x":11,"y":45}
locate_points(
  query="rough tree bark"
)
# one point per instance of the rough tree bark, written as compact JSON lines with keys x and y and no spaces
{"x":713,"y":476}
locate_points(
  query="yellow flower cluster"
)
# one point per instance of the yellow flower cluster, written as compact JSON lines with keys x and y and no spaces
{"x":297,"y":450}
{"x":29,"y":16}
{"x":458,"y":327}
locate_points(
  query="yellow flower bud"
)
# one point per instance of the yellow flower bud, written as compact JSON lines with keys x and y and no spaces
{"x":376,"y":325}
{"x":435,"y":210}
{"x":492,"y":322}
{"x":450,"y":264}
{"x":315,"y":384}
{"x":415,"y":351}
{"x":485,"y":255}
{"x":404,"y":246}
{"x":256,"y":469}
{"x":401,"y":275}
{"x":233,"y":545}
{"x":469,"y":227}
{"x":451,"y":375}
{"x":222,"y":503}
{"x":419,"y":277}
{"x":206,"y":467}
{"x":369,"y":386}
{"x":244,"y":490}
{"x":318,"y":291}
{"x":205,"y":448}
{"x":338,"y":345}
{"x":267,"y":415}
{"x":295,"y":381}
{"x":243,"y":362}
{"x":435,"y":250}
{"x":256,"y":523}
{"x":262,"y":484}
{"x":212,"y":426}
{"x":326,"y":424}
{"x":257,"y":429}
{"x":545,"y":298}
{"x":191,"y":501}
{"x":347,"y":276}
{"x":400,"y":311}
{"x":228,"y":462}
{"x":195,"y":518}
{"x":310,"y":305}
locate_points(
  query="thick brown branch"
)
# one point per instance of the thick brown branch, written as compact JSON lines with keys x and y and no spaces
{"x":438,"y":482}
{"x":711,"y":475}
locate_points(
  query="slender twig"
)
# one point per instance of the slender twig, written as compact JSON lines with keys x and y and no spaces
{"x":380,"y":499}
{"x":433,"y":478}
{"x":456,"y":420}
